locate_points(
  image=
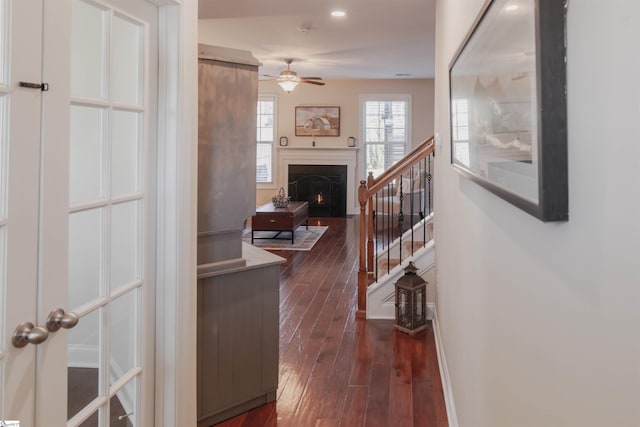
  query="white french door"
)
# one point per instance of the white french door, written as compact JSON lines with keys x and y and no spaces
{"x":20,"y":60}
{"x":77,"y":211}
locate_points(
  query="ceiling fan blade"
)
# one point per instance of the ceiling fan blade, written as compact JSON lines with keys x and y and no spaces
{"x":310,"y":78}
{"x":268,"y":76}
{"x":313,"y":82}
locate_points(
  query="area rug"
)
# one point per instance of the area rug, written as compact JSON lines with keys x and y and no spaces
{"x":303,"y":239}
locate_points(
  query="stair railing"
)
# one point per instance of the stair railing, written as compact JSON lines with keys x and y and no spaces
{"x":393,"y":208}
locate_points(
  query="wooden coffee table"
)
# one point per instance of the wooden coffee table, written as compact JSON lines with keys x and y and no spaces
{"x":270,"y":218}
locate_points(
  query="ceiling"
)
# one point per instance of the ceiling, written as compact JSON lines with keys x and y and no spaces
{"x":376,"y":39}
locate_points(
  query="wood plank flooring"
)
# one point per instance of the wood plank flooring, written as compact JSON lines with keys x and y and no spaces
{"x":336,"y":370}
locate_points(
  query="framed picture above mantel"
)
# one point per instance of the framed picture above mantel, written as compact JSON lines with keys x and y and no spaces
{"x":508,"y":105}
{"x":317,"y":121}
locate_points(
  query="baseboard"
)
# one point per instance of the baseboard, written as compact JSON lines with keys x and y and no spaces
{"x":442,"y":361}
{"x":383,"y":305}
{"x":431,"y":311}
{"x":219,"y":415}
{"x":447,"y":389}
{"x":83,"y":356}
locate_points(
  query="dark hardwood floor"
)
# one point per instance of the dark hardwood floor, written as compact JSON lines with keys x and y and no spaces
{"x":336,"y":370}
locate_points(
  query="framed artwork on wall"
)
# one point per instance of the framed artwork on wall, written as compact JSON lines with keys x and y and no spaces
{"x":508,"y":106}
{"x":317,"y":121}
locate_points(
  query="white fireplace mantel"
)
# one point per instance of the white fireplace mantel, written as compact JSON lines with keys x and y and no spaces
{"x":347,"y":156}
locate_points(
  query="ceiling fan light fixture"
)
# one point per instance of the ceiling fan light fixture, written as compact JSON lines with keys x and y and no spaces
{"x":338,"y":13}
{"x":288,"y":75}
{"x":288,"y":85}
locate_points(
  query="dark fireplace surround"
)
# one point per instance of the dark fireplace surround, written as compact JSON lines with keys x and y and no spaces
{"x":323,"y":186}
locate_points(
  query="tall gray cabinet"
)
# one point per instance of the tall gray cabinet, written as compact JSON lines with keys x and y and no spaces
{"x":238,"y":284}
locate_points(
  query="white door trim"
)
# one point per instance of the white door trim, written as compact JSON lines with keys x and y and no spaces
{"x":175,"y":399}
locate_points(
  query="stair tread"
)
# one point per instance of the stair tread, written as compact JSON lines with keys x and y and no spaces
{"x":406,"y":245}
{"x":408,"y":248}
{"x":391,"y":263}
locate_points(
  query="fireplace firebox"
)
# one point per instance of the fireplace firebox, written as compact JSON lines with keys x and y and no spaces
{"x":323,"y":186}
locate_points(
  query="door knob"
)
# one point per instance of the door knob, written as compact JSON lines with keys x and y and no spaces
{"x":26,"y":333}
{"x":59,"y":319}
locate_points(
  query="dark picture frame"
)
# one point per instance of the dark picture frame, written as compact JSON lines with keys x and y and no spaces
{"x":317,"y":121}
{"x":508,"y":105}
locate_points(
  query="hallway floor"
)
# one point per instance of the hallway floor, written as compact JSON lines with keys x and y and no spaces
{"x":336,"y":370}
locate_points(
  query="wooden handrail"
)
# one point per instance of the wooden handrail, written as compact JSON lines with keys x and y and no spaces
{"x":366,"y":191}
{"x":421,"y":151}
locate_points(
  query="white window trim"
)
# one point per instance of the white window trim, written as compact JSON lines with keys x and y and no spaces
{"x":274,"y":161}
{"x":382,"y":97}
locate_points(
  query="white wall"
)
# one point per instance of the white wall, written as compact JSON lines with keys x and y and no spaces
{"x":541,"y":322}
{"x":345,"y":94}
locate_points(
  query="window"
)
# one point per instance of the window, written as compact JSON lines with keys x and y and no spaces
{"x":460,"y":129}
{"x":386,"y":129}
{"x":264,"y":138}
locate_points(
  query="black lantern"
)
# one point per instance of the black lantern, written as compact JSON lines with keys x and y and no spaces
{"x":411,"y":302}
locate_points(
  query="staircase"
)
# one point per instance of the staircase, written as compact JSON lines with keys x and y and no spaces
{"x":402,"y":249}
{"x":396,"y":227}
{"x":381,"y":293}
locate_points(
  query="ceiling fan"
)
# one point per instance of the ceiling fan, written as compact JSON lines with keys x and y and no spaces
{"x":289,"y":79}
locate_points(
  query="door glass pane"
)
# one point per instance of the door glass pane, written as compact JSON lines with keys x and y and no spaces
{"x":86,"y":148}
{"x":125,"y":146}
{"x":4,"y":39}
{"x":123,"y":327}
{"x":4,"y":137}
{"x":125,"y":244}
{"x":107,"y":159}
{"x":2,"y":311}
{"x":126,"y":62}
{"x":3,"y":254}
{"x":123,"y":404}
{"x":83,"y":352}
{"x":3,"y":250}
{"x":92,"y":421}
{"x":2,"y":382}
{"x":88,"y":50}
{"x":85,"y":255}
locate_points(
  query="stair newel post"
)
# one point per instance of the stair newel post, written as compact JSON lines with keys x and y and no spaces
{"x":363,"y":195}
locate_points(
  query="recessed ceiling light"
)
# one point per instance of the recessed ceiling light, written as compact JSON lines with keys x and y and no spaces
{"x":512,"y":8}
{"x":338,"y":13}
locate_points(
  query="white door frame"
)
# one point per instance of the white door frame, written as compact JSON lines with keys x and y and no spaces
{"x":175,"y":399}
